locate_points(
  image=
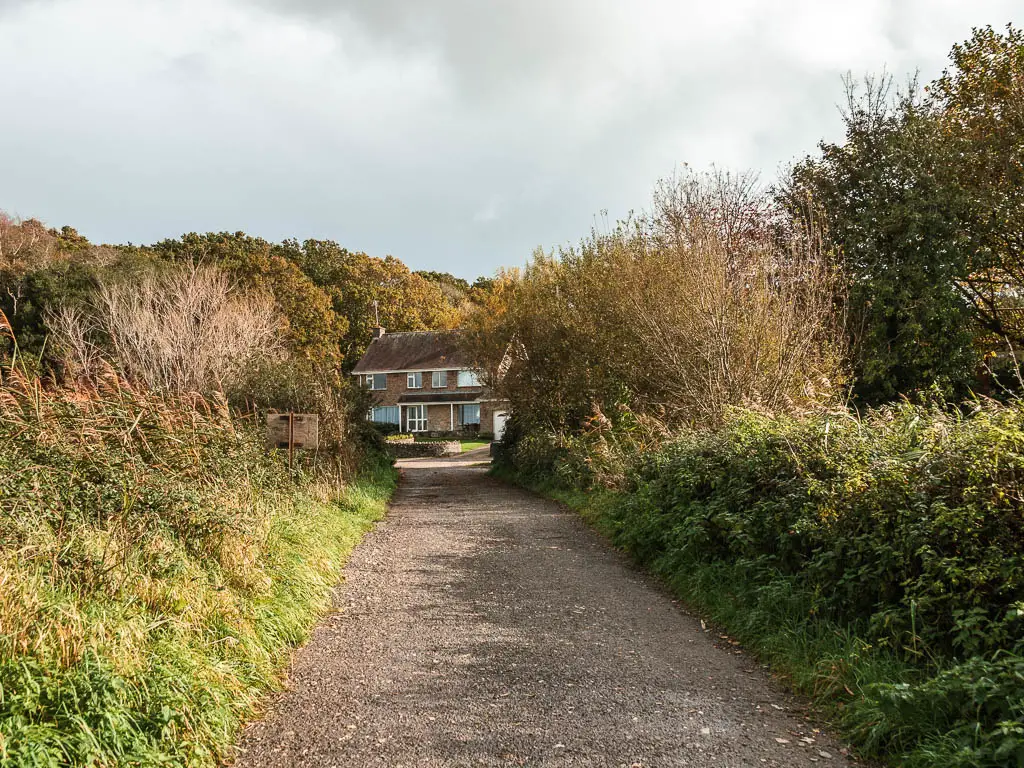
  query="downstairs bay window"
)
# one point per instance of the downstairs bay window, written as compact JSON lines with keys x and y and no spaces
{"x":386,"y":414}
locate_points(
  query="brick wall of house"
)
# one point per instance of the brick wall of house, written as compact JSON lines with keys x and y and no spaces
{"x":438,"y":416}
{"x":398,"y":385}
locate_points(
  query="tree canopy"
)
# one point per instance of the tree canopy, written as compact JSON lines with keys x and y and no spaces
{"x":924,"y":203}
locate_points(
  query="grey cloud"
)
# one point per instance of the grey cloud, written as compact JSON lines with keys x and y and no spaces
{"x":455,"y":134}
{"x":8,"y":6}
{"x":488,"y":47}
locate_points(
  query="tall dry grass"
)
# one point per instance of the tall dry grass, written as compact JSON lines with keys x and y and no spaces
{"x":156,"y":566}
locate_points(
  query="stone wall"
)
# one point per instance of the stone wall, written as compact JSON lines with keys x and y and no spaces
{"x":412,"y":450}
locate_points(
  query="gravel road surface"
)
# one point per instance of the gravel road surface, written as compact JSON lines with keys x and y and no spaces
{"x":481,"y":625}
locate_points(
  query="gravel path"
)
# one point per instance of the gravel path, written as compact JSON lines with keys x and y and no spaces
{"x":482,"y":625}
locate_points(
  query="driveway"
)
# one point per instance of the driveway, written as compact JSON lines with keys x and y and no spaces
{"x":481,"y":625}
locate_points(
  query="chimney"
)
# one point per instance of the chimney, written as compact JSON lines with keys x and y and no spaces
{"x":378,"y":332}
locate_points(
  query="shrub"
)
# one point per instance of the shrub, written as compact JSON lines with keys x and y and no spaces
{"x":902,"y":529}
{"x":906,"y":522}
{"x":156,"y":566}
{"x":184,"y":328}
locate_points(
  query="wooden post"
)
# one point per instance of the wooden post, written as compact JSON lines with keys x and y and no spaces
{"x":291,"y":437}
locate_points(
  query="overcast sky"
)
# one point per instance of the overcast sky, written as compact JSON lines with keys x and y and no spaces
{"x":456,"y":135}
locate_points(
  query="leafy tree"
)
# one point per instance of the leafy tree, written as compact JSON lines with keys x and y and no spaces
{"x":27,"y":299}
{"x":69,"y":240}
{"x":444,"y":278}
{"x":315,"y":331}
{"x":364,"y":288}
{"x":671,"y":318}
{"x":979,"y":105}
{"x":44,"y":270}
{"x":925,"y":202}
{"x":888,"y":213}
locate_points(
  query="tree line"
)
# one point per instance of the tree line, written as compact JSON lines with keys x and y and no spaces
{"x":269,"y":325}
{"x":888,"y":264}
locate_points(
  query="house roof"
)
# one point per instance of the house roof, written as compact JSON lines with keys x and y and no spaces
{"x":413,"y":351}
{"x":441,"y":397}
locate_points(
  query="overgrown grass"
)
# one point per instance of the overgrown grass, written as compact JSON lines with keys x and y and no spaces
{"x":156,"y":570}
{"x":878,"y":562}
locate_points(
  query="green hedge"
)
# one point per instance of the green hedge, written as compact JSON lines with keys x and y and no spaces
{"x":907,"y":523}
{"x":901,"y":531}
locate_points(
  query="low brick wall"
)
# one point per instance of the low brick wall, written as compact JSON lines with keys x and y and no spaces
{"x":411,"y":450}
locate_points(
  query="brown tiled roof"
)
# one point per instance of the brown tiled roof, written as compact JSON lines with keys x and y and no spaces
{"x":441,"y":397}
{"x":413,"y":351}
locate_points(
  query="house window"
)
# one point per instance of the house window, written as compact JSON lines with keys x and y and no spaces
{"x":468,"y":379}
{"x":386,"y":414}
{"x":439,"y":379}
{"x":376,"y":381}
{"x":469,"y":414}
{"x":415,"y":380}
{"x":416,"y":418}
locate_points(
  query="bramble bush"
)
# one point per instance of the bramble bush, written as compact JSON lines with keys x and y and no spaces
{"x":906,"y":523}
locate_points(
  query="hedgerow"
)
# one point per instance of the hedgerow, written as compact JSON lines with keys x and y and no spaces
{"x":156,"y":568}
{"x":901,"y":532}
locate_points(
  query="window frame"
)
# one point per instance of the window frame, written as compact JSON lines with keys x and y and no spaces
{"x":419,"y":422}
{"x":439,"y":379}
{"x":370,"y":379}
{"x":376,"y":408}
{"x":414,"y":376}
{"x":462,"y":416}
{"x":469,"y":373}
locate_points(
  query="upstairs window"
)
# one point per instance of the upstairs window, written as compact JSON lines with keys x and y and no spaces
{"x":469,"y":379}
{"x":414,"y":380}
{"x":376,"y":381}
{"x":439,"y":379}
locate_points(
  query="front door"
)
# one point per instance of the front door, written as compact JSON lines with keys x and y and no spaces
{"x":500,"y":417}
{"x":416,"y":418}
